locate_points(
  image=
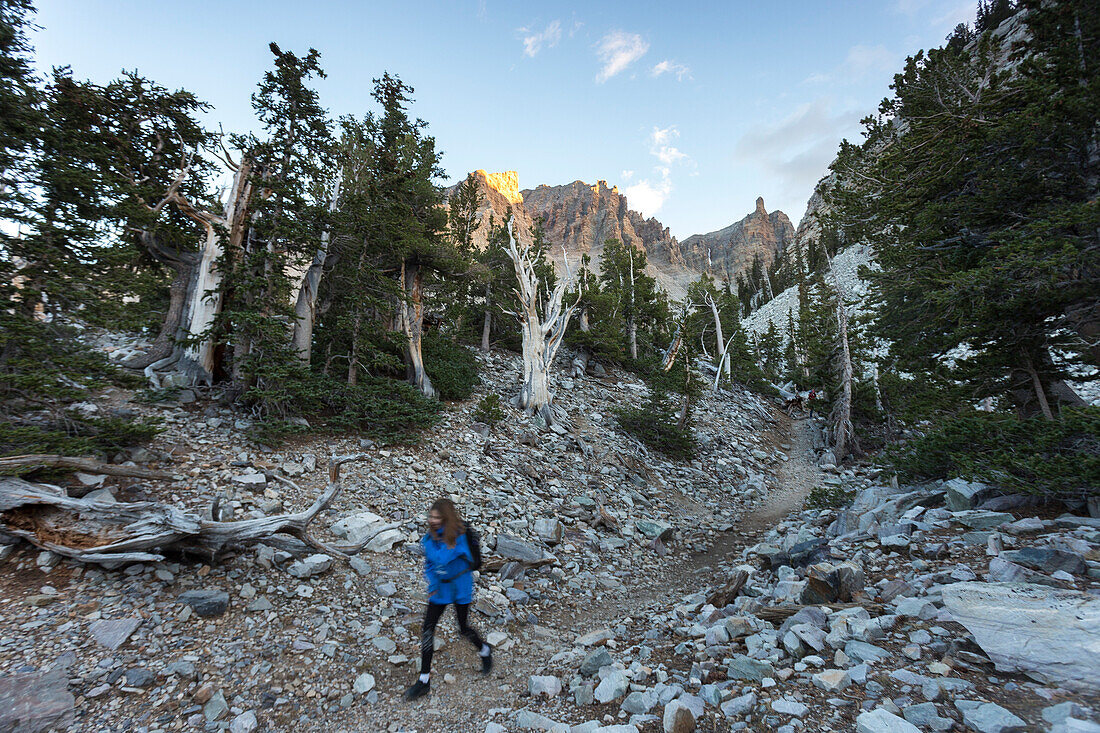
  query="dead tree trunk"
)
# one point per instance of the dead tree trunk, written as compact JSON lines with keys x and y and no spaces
{"x":632,"y":320}
{"x":185,"y":265}
{"x":542,"y":334}
{"x":673,"y":348}
{"x":844,"y":440}
{"x":412,"y":317}
{"x":721,"y":344}
{"x":205,"y":295}
{"x":305,"y":308}
{"x":583,"y":355}
{"x":120,"y":533}
{"x":487,"y":324}
{"x":195,"y":295}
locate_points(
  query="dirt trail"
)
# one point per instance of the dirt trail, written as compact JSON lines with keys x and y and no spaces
{"x":797,"y":476}
{"x":456,"y":706}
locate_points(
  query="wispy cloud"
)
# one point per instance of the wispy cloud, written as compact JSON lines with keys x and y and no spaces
{"x":680,"y":71}
{"x":796,"y":151}
{"x":861,"y":62}
{"x":648,"y":195}
{"x":962,"y":11}
{"x":617,"y":51}
{"x":941,"y":15}
{"x":660,"y":140}
{"x":535,"y":41}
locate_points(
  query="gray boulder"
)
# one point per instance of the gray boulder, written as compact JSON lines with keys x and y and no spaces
{"x":549,"y":531}
{"x":114,"y":633}
{"x":992,"y":718}
{"x":206,"y":603}
{"x":1047,"y":560}
{"x":596,"y":658}
{"x":883,"y":721}
{"x":310,"y":566}
{"x":1049,"y":634}
{"x":513,"y":548}
{"x":612,"y":687}
{"x":36,"y":702}
{"x":963,"y":494}
{"x":677,"y":718}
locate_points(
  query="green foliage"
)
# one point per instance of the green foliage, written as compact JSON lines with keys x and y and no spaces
{"x":454,"y":368}
{"x":20,"y":117}
{"x":828,"y":497}
{"x":384,"y":409}
{"x":489,"y":410}
{"x":44,"y":370}
{"x":657,"y":425}
{"x":664,"y":422}
{"x":288,"y":168}
{"x":82,"y":436}
{"x":1059,"y":457}
{"x":976,"y":188}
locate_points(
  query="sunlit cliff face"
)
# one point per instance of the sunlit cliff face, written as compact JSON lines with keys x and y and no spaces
{"x":505,"y":182}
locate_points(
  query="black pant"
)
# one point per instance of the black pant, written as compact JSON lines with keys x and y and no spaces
{"x":427,"y":633}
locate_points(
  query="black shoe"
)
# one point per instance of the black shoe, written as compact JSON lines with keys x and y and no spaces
{"x":487,"y":662}
{"x":420,"y":689}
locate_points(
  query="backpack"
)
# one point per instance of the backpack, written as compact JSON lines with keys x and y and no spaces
{"x":474,"y":541}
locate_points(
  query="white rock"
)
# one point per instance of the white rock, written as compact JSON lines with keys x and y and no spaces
{"x":364,"y":683}
{"x":612,"y":687}
{"x":1050,"y":634}
{"x":547,"y":685}
{"x":882,"y":721}
{"x":244,"y":723}
{"x":678,"y":718}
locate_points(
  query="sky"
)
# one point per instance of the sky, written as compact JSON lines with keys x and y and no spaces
{"x":692,"y":111}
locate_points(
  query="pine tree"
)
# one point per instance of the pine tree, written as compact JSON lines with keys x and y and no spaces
{"x":289,"y":167}
{"x":770,"y":349}
{"x":636,"y":297}
{"x":977,"y":187}
{"x":20,"y":114}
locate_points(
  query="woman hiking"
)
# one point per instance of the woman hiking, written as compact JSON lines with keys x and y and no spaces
{"x":448,"y":566}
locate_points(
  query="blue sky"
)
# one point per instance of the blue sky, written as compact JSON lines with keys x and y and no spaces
{"x":692,"y":111}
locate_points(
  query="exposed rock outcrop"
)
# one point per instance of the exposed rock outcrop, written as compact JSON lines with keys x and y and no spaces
{"x":578,"y":218}
{"x":729,"y":252}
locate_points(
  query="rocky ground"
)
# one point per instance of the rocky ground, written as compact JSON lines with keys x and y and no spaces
{"x":621,"y":589}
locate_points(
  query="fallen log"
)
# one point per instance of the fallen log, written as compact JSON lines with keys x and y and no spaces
{"x":20,"y":465}
{"x":114,"y":534}
{"x":728,"y":593}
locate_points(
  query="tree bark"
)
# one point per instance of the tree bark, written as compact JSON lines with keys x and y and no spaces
{"x":723,"y":362}
{"x":487,"y":324}
{"x":673,"y":348}
{"x":843,"y":431}
{"x":185,"y":265}
{"x":412,"y":284}
{"x":542,"y":334}
{"x":205,"y":294}
{"x":1037,"y":387}
{"x":305,"y":307}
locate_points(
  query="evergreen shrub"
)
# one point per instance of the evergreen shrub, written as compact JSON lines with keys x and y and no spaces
{"x":1052,"y":457}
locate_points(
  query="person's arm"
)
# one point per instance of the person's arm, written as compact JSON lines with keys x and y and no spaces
{"x":431,"y":569}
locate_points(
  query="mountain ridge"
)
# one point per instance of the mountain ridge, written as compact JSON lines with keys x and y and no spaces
{"x":579,"y":217}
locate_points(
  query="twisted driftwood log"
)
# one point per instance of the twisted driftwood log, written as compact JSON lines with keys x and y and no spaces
{"x":117,"y":533}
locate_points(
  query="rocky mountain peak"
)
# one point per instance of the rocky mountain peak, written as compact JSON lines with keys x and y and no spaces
{"x":505,"y":182}
{"x":728,"y":252}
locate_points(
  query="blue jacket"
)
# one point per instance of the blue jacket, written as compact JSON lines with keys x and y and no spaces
{"x":448,"y":569}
